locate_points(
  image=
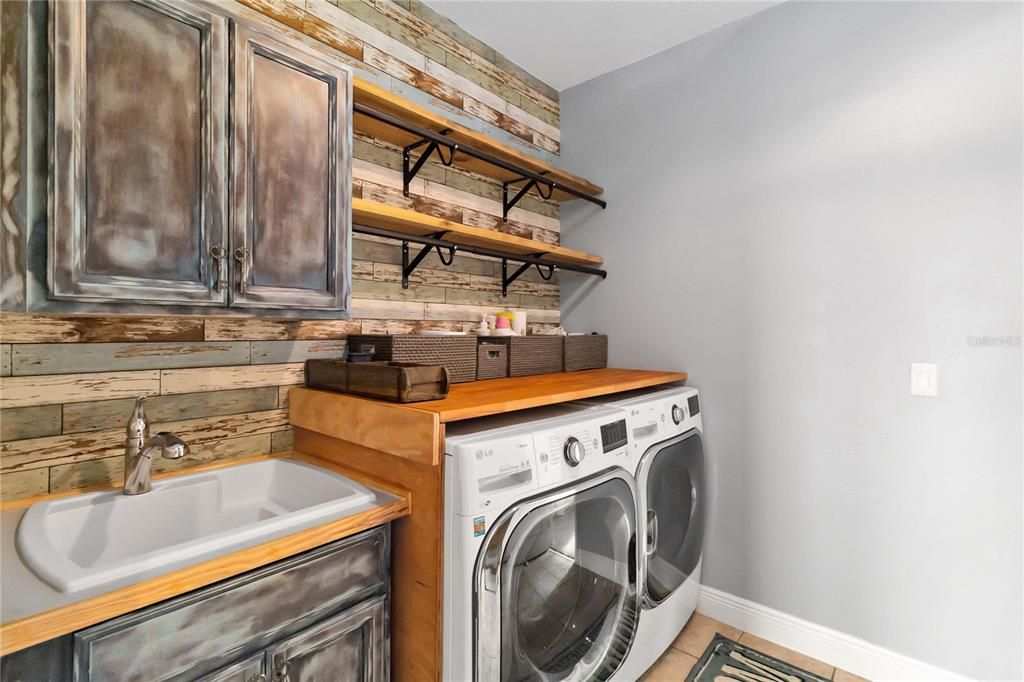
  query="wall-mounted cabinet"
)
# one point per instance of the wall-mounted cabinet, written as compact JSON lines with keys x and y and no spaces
{"x":195,"y":162}
{"x":138,"y":185}
{"x":292,"y":185}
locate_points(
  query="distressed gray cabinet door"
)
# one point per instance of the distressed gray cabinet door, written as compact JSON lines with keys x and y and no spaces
{"x":291,"y":182}
{"x":249,"y":670}
{"x":139,"y":153}
{"x":350,"y":647}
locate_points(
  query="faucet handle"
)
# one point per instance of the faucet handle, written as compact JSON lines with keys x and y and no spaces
{"x":168,"y":444}
{"x":138,"y":427}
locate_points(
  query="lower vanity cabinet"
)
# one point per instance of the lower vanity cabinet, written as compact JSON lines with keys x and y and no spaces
{"x":348,"y":647}
{"x":252,"y":669}
{"x":321,"y":616}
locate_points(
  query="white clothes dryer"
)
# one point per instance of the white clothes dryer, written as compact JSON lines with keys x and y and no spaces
{"x":665,"y":431}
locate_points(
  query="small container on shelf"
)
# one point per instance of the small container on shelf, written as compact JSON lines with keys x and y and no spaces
{"x":456,"y":353}
{"x":528,"y":355}
{"x":585,"y":351}
{"x":491,"y":359}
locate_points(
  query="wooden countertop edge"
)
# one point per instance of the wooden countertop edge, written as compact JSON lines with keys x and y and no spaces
{"x":644,"y":380}
{"x":23,"y":633}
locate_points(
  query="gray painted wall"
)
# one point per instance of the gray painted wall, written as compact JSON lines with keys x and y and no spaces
{"x":801,"y":204}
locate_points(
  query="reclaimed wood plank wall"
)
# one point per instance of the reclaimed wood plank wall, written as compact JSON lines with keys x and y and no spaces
{"x":67,"y":383}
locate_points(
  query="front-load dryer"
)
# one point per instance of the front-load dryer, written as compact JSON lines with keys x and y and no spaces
{"x":667,"y":456}
{"x":541,"y":547}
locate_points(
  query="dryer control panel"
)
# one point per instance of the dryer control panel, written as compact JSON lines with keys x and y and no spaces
{"x":661,"y":415}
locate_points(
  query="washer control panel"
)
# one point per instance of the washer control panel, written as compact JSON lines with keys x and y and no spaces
{"x":579,"y":449}
{"x":495,"y":462}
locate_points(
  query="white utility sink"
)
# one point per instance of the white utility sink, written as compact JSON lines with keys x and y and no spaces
{"x":109,"y":539}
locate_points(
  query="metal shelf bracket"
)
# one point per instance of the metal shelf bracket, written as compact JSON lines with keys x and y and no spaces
{"x":410,"y":168}
{"x":507,"y":204}
{"x":409,"y":266}
{"x":507,"y":279}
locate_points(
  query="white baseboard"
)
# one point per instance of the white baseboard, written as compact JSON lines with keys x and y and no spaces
{"x":817,"y":641}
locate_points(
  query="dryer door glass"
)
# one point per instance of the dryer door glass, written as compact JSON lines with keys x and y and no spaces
{"x":568,"y":595}
{"x":672,"y":475}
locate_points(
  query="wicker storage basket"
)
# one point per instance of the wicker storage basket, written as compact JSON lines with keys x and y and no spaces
{"x":586,"y":352}
{"x":531,"y":354}
{"x":398,"y":382}
{"x":491,"y":360}
{"x":456,"y":353}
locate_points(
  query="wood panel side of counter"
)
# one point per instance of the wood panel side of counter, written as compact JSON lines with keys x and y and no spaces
{"x":371,"y":423}
{"x":417,"y":541}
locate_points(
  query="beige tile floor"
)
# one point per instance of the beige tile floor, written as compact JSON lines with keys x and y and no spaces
{"x":675,"y":664}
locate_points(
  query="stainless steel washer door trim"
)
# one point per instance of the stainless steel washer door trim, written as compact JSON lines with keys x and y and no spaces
{"x":643,"y":509}
{"x":487,"y":586}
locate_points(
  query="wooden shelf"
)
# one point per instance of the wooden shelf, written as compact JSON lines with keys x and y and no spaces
{"x":404,"y":221}
{"x":380,"y":99}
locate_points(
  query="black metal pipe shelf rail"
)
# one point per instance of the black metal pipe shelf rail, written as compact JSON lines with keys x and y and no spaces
{"x":434,"y":141}
{"x":437,"y":241}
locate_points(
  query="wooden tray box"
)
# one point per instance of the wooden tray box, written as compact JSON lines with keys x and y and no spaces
{"x":399,"y":382}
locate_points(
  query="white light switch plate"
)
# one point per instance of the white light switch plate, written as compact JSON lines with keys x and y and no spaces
{"x":924,"y":379}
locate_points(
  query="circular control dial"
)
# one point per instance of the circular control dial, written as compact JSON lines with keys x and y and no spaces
{"x":677,"y":414}
{"x":574,"y":451}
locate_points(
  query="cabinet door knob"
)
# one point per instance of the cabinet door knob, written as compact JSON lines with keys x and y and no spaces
{"x":244,"y":258}
{"x":217,"y":253}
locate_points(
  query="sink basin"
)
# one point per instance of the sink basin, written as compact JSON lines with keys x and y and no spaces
{"x":109,"y":539}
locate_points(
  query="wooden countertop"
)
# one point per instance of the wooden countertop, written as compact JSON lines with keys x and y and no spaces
{"x":404,"y":444}
{"x":33,"y":612}
{"x":496,"y":396}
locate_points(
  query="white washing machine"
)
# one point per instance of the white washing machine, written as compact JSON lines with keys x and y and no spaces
{"x":540,"y":538}
{"x":665,"y":437}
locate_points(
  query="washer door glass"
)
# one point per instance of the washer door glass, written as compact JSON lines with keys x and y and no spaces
{"x":568,"y":586}
{"x":672,"y":474}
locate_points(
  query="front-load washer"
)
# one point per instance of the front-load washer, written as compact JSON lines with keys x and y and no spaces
{"x":541,"y":547}
{"x":665,"y":432}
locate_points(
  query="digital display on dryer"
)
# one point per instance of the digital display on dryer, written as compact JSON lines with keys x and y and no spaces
{"x":694,"y":404}
{"x":613,"y":435}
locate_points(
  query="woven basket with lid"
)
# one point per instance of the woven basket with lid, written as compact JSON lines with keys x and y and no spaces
{"x":456,"y":353}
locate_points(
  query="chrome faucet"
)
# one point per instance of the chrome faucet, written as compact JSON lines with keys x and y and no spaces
{"x":140,"y":447}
